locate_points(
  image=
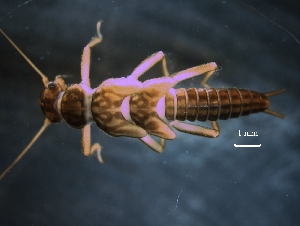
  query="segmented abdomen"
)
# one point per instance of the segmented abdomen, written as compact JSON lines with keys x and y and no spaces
{"x":212,"y":104}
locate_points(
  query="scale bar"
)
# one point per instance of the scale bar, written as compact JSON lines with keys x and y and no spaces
{"x":247,"y":146}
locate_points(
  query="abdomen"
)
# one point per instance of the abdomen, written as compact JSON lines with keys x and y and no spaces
{"x":213,"y":104}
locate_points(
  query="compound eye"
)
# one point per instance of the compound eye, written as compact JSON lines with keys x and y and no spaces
{"x":51,"y":85}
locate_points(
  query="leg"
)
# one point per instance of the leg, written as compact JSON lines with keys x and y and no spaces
{"x":209,"y":68}
{"x":85,"y":73}
{"x":86,"y":143}
{"x":137,"y":72}
{"x":150,"y":62}
{"x":153,"y":144}
{"x":205,"y":79}
{"x":85,"y":62}
{"x":197,"y":130}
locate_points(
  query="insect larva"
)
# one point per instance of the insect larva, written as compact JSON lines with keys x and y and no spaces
{"x":128,"y":107}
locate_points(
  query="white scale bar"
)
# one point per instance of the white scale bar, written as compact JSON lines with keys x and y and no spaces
{"x":247,"y":146}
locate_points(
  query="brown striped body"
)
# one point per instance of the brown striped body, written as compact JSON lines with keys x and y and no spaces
{"x":129,"y":107}
{"x":104,"y":105}
{"x":213,"y":104}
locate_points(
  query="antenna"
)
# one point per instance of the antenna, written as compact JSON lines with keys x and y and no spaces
{"x":46,"y":122}
{"x":39,"y":133}
{"x":44,"y":77}
{"x":15,"y":9}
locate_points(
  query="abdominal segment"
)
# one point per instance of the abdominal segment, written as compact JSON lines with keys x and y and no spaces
{"x":212,"y":104}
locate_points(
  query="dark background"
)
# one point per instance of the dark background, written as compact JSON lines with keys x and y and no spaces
{"x":54,"y":184}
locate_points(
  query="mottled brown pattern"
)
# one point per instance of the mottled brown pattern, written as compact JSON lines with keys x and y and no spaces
{"x":141,"y":109}
{"x":47,"y":100}
{"x":105,"y":106}
{"x":213,"y":104}
{"x":73,"y":106}
{"x":106,"y":111}
{"x":143,"y":112}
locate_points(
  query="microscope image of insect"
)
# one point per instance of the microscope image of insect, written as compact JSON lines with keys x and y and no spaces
{"x":128,"y":107}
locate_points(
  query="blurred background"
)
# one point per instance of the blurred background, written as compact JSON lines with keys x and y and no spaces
{"x":197,"y":180}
